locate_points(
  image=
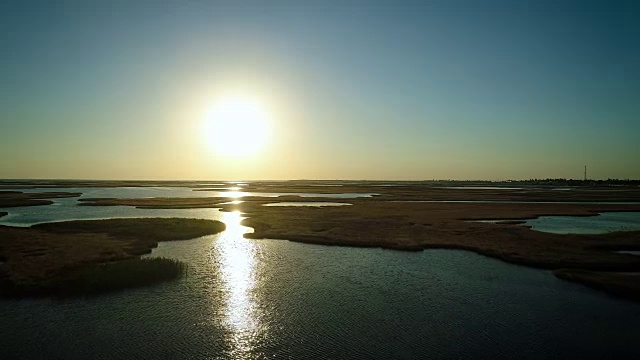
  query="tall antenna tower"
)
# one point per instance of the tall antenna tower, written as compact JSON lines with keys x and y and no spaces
{"x":585,"y":173}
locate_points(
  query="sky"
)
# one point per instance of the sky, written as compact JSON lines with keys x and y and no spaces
{"x":393,"y":90}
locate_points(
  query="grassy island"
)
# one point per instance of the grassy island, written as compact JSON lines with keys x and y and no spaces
{"x":88,"y":257}
{"x":620,"y":284}
{"x":17,"y":198}
{"x":95,"y":279}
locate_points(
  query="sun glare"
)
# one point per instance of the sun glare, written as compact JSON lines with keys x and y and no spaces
{"x":238,"y":126}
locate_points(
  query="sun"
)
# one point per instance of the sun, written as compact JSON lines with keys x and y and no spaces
{"x":238,"y":126}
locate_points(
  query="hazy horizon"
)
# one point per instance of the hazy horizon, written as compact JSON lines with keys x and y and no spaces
{"x":310,"y":180}
{"x":371,"y":90}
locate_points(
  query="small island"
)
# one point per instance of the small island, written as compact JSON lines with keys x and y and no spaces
{"x":17,"y":198}
{"x":89,"y":257}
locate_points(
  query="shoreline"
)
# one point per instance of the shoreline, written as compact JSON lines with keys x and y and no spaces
{"x":45,"y":259}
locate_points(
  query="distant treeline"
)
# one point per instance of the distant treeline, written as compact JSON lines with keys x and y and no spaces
{"x":572,"y":182}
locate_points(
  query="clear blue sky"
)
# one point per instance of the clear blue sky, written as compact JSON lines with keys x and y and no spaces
{"x":358,"y":89}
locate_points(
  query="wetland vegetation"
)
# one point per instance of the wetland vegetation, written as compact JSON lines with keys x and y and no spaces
{"x":405,"y":216}
{"x":410,"y":216}
{"x":18,"y":198}
{"x":55,"y":258}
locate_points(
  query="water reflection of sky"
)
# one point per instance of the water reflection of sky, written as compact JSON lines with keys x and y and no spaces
{"x":233,"y":192}
{"x":239,"y":194}
{"x":67,"y":209}
{"x":602,"y":223}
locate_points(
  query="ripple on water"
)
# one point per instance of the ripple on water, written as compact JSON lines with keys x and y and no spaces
{"x":291,"y":300}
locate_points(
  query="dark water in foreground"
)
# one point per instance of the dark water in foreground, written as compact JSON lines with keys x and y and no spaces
{"x":278,"y":299}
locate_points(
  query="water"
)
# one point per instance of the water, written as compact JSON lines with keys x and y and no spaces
{"x":239,"y":194}
{"x":259,"y":299}
{"x":600,"y":224}
{"x":482,"y":188}
{"x":67,"y":209}
{"x":302,"y":203}
{"x":498,"y":221}
{"x":122,"y":192}
{"x":159,"y":191}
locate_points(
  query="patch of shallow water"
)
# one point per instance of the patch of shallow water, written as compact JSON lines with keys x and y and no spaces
{"x":308,"y":203}
{"x":631,"y":252}
{"x":497,"y":221}
{"x":241,"y":194}
{"x":122,"y":192}
{"x":67,"y":209}
{"x":482,"y":188}
{"x":599,"y":224}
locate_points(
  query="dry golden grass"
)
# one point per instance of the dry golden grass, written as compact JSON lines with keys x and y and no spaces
{"x":35,"y":257}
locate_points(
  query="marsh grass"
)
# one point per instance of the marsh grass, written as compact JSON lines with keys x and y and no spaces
{"x":96,"y":279}
{"x":87,"y":257}
{"x":17,"y":198}
{"x":157,"y":229}
{"x":621,"y":284}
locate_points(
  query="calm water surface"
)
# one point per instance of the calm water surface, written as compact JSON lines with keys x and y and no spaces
{"x":632,"y":252}
{"x":67,"y":209}
{"x":600,"y":224}
{"x":266,"y":299}
{"x":307,"y":203}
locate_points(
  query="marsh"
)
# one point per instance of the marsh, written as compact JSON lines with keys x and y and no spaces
{"x":245,"y":297}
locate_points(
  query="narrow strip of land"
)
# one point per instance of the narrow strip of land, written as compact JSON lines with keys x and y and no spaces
{"x":17,"y":198}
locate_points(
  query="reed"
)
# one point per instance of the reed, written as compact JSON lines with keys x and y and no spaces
{"x":96,"y":279}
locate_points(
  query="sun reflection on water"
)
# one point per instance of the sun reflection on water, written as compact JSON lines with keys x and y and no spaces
{"x":238,"y":262}
{"x":234,"y":194}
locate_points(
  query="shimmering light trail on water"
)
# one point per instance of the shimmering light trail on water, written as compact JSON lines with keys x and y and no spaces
{"x":237,"y":257}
